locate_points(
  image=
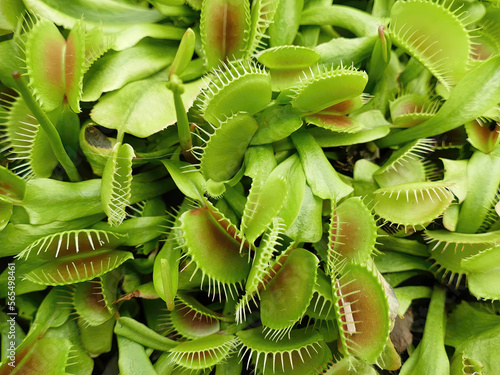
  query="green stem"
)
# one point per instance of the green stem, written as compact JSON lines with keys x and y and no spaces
{"x":120,"y":136}
{"x":182,"y":124}
{"x":48,"y":127}
{"x":184,"y":131}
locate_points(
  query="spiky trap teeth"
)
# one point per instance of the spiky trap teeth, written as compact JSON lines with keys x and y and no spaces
{"x":434,"y":34}
{"x":412,"y":204}
{"x":363,"y":330}
{"x":236,"y":86}
{"x":214,"y":251}
{"x":326,"y":87}
{"x":298,"y":353}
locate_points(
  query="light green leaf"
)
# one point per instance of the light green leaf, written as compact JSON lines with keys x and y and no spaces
{"x":142,"y":108}
{"x":112,"y":15}
{"x":430,"y":356}
{"x":129,"y":36}
{"x":115,"y":69}
{"x":321,"y":177}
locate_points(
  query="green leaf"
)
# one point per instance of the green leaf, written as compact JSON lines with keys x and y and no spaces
{"x":397,"y":262}
{"x":321,"y":177}
{"x":9,"y":13}
{"x":133,"y":359}
{"x":140,"y":333}
{"x":129,"y":36}
{"x":115,"y":69}
{"x":482,"y":186}
{"x":308,"y":226}
{"x":187,"y":178}
{"x":407,"y":294}
{"x":286,"y":22}
{"x":97,"y":339}
{"x":141,"y":108}
{"x":479,"y":338}
{"x":358,"y":22}
{"x":430,"y":356}
{"x":9,"y":61}
{"x":112,"y":15}
{"x":276,"y":123}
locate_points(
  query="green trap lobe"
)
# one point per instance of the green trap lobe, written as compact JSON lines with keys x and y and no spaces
{"x":213,"y":249}
{"x":243,"y":87}
{"x":76,"y":268}
{"x":332,"y":122}
{"x":288,"y":57}
{"x":191,"y":323}
{"x":264,"y":202}
{"x":203,"y":352}
{"x":369,"y":311}
{"x":224,"y":28}
{"x":432,"y":33}
{"x":45,"y":49}
{"x":353,"y":231}
{"x":74,"y":65}
{"x":47,"y":355}
{"x":224,"y":152}
{"x":328,"y":88}
{"x":286,"y":298}
{"x":412,"y":203}
{"x":90,"y":305}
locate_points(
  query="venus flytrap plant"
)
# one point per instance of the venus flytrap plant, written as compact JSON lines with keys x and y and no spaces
{"x":232,"y":137}
{"x":78,"y":261}
{"x":362,"y":331}
{"x":190,"y":319}
{"x":421,"y":203}
{"x":200,"y":223}
{"x":27,"y":140}
{"x":406,"y":164}
{"x":224,"y":28}
{"x":412,"y":109}
{"x":445,"y":50}
{"x":263,"y":268}
{"x":47,"y":126}
{"x":478,"y":200}
{"x":116,"y":183}
{"x":352,"y":233}
{"x":456,"y":110}
{"x":300,"y":351}
{"x":241,"y":86}
{"x":287,"y":64}
{"x":286,"y":297}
